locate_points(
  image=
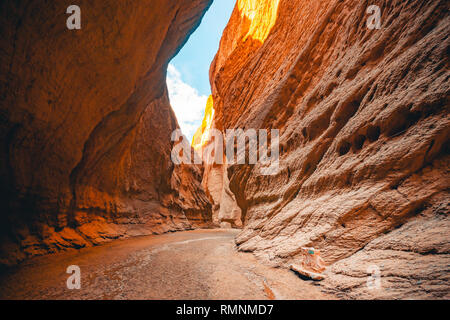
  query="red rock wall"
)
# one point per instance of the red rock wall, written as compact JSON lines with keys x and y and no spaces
{"x":225,"y":211}
{"x":85,"y":124}
{"x":365,"y":126}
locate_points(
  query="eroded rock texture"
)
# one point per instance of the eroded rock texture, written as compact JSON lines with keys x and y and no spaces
{"x":85,"y":124}
{"x":225,"y":210}
{"x":364,"y":120}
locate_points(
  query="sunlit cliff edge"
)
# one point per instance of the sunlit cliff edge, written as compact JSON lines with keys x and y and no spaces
{"x":260,"y":15}
{"x":202,"y":135}
{"x":365,"y":127}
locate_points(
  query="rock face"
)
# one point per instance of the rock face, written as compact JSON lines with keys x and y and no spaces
{"x":226,"y":212}
{"x":364,"y":128}
{"x":85,"y":125}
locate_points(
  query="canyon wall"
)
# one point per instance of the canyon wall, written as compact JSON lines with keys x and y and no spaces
{"x":225,"y":211}
{"x":85,"y":125}
{"x":364,"y":128}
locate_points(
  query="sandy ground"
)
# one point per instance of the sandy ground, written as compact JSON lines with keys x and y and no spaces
{"x":200,"y":264}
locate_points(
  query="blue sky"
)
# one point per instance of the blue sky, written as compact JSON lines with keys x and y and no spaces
{"x":188,"y":73}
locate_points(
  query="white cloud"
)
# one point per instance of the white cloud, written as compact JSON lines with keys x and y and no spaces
{"x":188,"y":104}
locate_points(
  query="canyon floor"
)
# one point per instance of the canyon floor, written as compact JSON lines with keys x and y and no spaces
{"x":199,"y":264}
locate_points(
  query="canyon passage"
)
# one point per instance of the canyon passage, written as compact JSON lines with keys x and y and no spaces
{"x":189,"y":265}
{"x":360,"y":198}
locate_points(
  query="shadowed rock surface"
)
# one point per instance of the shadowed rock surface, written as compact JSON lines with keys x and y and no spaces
{"x":364,"y":142}
{"x":85,"y":125}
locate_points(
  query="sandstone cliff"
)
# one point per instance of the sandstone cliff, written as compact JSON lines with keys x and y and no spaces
{"x":364,"y":120}
{"x":226,"y":212}
{"x":85,"y":125}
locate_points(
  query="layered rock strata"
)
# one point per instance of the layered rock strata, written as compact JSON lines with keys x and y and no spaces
{"x":364,"y":124}
{"x":85,"y":125}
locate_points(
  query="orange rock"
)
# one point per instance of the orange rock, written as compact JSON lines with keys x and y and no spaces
{"x":86,"y":122}
{"x":226,"y":212}
{"x":365,"y":127}
{"x":202,"y":135}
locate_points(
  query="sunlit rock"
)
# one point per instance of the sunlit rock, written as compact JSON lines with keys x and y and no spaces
{"x":364,"y":120}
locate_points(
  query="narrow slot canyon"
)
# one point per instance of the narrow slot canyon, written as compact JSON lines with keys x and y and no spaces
{"x":338,"y":182}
